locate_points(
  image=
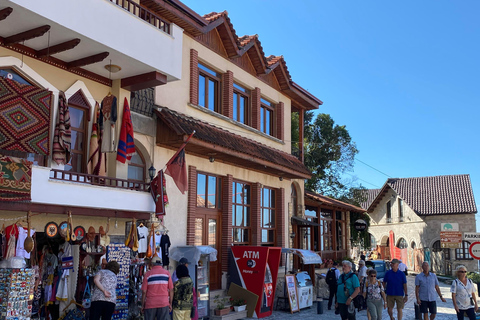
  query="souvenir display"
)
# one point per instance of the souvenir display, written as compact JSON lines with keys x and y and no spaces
{"x":63,"y":229}
{"x":51,"y":230}
{"x":79,"y":233}
{"x":16,"y":293}
{"x":121,"y":254}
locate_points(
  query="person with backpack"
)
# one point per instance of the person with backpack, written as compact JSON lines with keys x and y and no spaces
{"x":426,"y":290}
{"x":331,"y":279}
{"x":374,"y":295}
{"x":183,"y":295}
{"x":347,"y":290}
{"x":463,"y":295}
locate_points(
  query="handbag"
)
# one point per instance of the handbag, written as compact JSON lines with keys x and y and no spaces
{"x":87,"y":301}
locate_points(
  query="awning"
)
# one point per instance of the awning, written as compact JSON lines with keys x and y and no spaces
{"x":303,"y":222}
{"x":308,"y":256}
{"x":192,"y":253}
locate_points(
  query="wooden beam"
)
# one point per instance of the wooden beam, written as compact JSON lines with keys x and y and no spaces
{"x":26,"y":35}
{"x":4,"y":13}
{"x":87,"y":60}
{"x":144,"y":81}
{"x":64,"y":46}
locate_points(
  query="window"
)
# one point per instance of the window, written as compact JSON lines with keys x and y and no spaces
{"x":136,"y":167}
{"x":267,"y":209}
{"x":400,"y":209}
{"x":208,"y":88}
{"x":240,"y":103}
{"x":402,"y":244}
{"x":241,"y":201}
{"x":341,"y":234}
{"x":208,"y":191}
{"x":326,"y":230}
{"x":266,"y":117}
{"x":437,"y":247}
{"x":413,"y":245}
{"x":463,"y":253}
{"x":389,"y":212}
{"x":78,"y":126}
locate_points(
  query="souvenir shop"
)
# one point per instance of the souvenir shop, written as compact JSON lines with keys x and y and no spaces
{"x":50,"y":271}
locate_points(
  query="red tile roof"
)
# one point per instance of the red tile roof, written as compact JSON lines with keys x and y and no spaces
{"x":332,"y":202}
{"x":271,"y":59}
{"x":212,"y":16}
{"x":246,"y":39}
{"x":451,"y":194}
{"x":184,"y":125}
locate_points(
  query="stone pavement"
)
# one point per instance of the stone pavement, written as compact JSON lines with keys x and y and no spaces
{"x":445,"y":311}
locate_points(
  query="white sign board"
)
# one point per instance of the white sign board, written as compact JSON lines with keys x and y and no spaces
{"x":449,"y":226}
{"x":471,"y":236}
{"x":475,"y":250}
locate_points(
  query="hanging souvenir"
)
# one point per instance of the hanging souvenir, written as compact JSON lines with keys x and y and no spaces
{"x":63,"y":230}
{"x":28,"y":244}
{"x":79,"y":233}
{"x":51,"y":230}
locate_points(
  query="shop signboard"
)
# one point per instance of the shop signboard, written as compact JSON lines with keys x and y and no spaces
{"x":360,"y":225}
{"x":471,"y":236}
{"x":452,"y":226}
{"x":450,"y":239}
{"x":256,"y":269}
{"x":291,"y":284}
{"x":474,"y":250}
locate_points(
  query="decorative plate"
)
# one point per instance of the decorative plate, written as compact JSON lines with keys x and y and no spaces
{"x":83,"y":246}
{"x":79,"y":233}
{"x":63,"y":229}
{"x":51,"y":229}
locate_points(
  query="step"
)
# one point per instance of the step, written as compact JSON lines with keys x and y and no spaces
{"x":230,"y":316}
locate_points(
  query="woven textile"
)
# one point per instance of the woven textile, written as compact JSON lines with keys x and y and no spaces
{"x":24,"y":117}
{"x":15,"y":179}
{"x":62,"y":138}
{"x":126,"y":144}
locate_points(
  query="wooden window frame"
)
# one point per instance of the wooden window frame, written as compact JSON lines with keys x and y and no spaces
{"x":247,"y":207}
{"x":325,"y":232}
{"x":138,"y":166}
{"x":400,"y":209}
{"x":389,"y":212}
{"x":237,"y":95}
{"x":218,"y":188}
{"x":463,"y":253}
{"x":86,"y":139}
{"x":267,"y":106}
{"x":343,"y":237}
{"x":216,"y":78}
{"x":272,"y":222}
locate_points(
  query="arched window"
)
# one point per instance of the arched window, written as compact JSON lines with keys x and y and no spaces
{"x":136,"y":167}
{"x":463,"y":253}
{"x":402,"y":244}
{"x":413,"y":245}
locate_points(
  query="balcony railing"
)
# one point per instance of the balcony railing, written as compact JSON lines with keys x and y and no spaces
{"x":94,"y":180}
{"x":143,"y":14}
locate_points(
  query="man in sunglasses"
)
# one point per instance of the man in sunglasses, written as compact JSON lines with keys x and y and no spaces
{"x":426,"y":290}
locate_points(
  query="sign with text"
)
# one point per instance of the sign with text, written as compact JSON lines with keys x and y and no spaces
{"x":450,"y":239}
{"x":471,"y":236}
{"x":449,"y":226}
{"x":474,"y":250}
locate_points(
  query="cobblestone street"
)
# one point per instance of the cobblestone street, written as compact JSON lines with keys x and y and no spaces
{"x":445,"y":310}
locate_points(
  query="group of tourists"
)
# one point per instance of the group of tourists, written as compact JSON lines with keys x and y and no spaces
{"x":160,"y":294}
{"x":349,"y":287}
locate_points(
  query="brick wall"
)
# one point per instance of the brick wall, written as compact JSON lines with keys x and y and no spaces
{"x":256,"y":95}
{"x":226,"y":220}
{"x":192,"y":204}
{"x":227,"y":94}
{"x":255,"y":216}
{"x":194,"y":76}
{"x":280,"y":120}
{"x":280,"y":220}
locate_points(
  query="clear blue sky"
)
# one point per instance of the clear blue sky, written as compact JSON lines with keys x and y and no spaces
{"x":402,"y":76}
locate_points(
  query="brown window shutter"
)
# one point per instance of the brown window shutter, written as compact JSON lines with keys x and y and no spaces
{"x":280,"y":219}
{"x":194,"y":76}
{"x":226,"y":220}
{"x":256,"y":95}
{"x":255,"y":217}
{"x":227,"y":94}
{"x":192,"y":204}
{"x":280,"y":120}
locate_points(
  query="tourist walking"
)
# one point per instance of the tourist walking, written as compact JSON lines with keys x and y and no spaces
{"x":396,"y":289}
{"x":362,"y":271}
{"x":463,"y":295}
{"x":182,"y":294}
{"x":104,"y":297}
{"x":332,"y":279}
{"x":348,"y":288}
{"x":403,"y":267}
{"x":157,"y":292}
{"x":374,"y":295}
{"x":426,"y":290}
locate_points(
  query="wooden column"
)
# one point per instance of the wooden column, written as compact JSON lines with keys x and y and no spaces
{"x":300,"y":134}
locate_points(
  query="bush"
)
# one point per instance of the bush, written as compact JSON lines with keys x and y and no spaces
{"x":474,"y":276}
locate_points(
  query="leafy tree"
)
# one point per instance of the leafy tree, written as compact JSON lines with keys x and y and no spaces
{"x":356,"y":196}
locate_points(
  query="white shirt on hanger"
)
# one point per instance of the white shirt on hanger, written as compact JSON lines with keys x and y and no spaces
{"x":22,"y":235}
{"x":142,"y":239}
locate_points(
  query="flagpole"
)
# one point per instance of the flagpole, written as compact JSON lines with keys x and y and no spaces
{"x":179,"y":150}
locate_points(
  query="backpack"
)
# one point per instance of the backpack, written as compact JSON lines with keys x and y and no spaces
{"x":331,"y":278}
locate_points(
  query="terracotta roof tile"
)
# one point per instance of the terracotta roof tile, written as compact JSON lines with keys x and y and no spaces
{"x":370,"y":195}
{"x":206,"y":132}
{"x":332,"y":202}
{"x":212,"y":16}
{"x":246,"y":40}
{"x":271,"y":59}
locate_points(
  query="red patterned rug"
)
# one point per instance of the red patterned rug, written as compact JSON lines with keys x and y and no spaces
{"x":24,"y":117}
{"x":15,"y":179}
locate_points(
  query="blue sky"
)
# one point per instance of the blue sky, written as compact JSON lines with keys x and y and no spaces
{"x":402,"y":76}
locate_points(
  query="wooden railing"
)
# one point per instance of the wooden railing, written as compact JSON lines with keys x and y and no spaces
{"x":143,"y":14}
{"x":91,"y":179}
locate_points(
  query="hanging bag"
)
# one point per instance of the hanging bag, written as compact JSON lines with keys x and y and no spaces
{"x":87,"y":301}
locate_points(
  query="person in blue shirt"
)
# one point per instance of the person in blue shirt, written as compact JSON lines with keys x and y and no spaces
{"x":426,"y":290}
{"x":396,"y":289}
{"x":348,"y":288}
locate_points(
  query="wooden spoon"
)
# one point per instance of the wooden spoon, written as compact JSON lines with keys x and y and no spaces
{"x":28,"y":244}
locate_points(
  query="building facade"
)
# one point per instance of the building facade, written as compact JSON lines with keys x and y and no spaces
{"x":406,"y":217}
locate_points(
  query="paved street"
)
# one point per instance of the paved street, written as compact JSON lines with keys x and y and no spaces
{"x":445,"y":310}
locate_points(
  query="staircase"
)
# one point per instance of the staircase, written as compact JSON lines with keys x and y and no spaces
{"x":232,"y":315}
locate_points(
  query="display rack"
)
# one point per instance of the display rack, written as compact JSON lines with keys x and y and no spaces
{"x":16,"y":293}
{"x":121,"y":254}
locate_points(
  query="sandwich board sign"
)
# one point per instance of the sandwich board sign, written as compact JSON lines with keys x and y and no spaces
{"x":449,"y":226}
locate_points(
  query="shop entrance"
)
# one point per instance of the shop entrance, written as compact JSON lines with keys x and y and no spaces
{"x":207,"y":227}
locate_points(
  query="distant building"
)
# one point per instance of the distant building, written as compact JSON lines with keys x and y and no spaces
{"x":408,"y":212}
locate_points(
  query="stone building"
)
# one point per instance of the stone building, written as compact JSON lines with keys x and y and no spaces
{"x":407,"y":213}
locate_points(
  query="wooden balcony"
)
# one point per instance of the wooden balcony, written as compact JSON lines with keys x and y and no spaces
{"x":94,"y":180}
{"x":143,"y":14}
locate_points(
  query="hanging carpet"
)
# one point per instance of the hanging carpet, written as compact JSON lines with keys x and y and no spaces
{"x":15,"y":179}
{"x":24,"y":117}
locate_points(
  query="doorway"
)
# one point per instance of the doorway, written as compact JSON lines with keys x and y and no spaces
{"x":207,"y":227}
